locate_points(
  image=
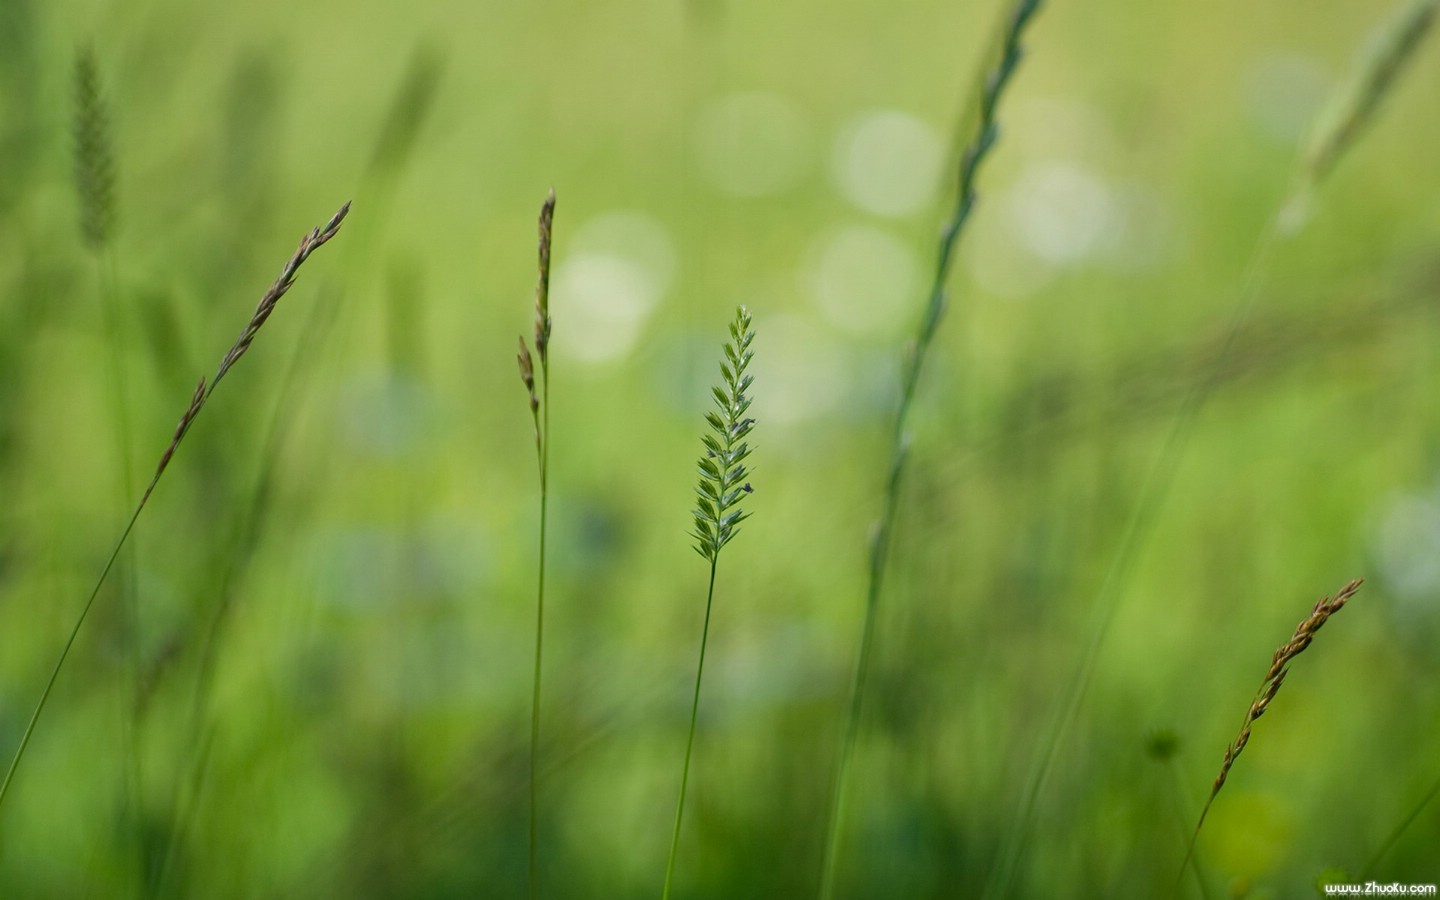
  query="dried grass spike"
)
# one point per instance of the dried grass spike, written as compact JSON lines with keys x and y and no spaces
{"x":542,"y":287}
{"x":197,"y":401}
{"x":315,"y":239}
{"x":1279,"y":667}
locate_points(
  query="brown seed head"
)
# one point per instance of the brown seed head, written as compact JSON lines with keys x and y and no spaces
{"x":1274,"y":678}
{"x":308,"y":244}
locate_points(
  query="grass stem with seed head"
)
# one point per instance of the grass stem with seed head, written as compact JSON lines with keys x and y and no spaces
{"x":312,"y":241}
{"x":717,"y":514}
{"x":1279,"y":667}
{"x":540,"y":414}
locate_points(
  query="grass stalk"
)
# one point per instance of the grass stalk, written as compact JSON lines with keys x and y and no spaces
{"x":1394,"y":837}
{"x":717,"y":514}
{"x":1279,"y":667}
{"x":540,"y":414}
{"x":979,"y":138}
{"x":315,"y":239}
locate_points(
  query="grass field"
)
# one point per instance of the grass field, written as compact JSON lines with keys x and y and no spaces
{"x":1184,"y":387}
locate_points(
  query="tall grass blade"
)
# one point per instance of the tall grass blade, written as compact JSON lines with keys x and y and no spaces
{"x":979,"y":134}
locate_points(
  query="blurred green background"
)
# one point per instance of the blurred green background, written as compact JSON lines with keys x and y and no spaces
{"x":324,"y":689}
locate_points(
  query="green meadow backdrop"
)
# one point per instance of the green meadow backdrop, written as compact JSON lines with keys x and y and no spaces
{"x":1186,"y":385}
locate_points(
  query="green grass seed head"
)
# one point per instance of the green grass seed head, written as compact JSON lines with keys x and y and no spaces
{"x":722,"y":469}
{"x":94,"y":156}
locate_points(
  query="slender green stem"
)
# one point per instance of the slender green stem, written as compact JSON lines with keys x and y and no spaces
{"x":690,"y":741}
{"x":197,"y":404}
{"x":123,"y":426}
{"x":1400,"y":829}
{"x":60,"y":663}
{"x":1177,"y":795}
{"x":977,"y":148}
{"x":543,"y":447}
{"x":198,"y":400}
{"x":540,"y":415}
{"x":249,"y":525}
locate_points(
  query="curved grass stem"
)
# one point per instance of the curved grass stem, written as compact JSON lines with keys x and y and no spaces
{"x":278,"y":289}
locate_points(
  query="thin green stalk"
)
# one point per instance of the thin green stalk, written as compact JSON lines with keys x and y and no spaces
{"x":65,"y":652}
{"x":998,"y":72}
{"x":242,"y":542}
{"x":540,"y":415}
{"x":198,"y":399}
{"x":717,"y":514}
{"x":535,"y":694}
{"x":1177,"y":794}
{"x":690,"y":741}
{"x":1394,"y":836}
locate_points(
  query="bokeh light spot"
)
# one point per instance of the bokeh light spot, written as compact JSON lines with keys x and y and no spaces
{"x":887,"y":162}
{"x":617,"y":270}
{"x":864,"y":280}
